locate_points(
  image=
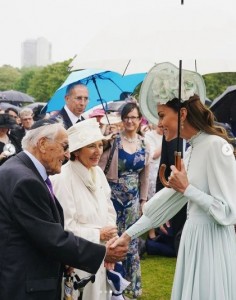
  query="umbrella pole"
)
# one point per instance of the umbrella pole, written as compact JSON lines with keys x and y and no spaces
{"x":100,"y":98}
{"x":178,"y":152}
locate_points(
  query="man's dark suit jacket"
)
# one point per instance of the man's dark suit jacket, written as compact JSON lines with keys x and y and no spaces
{"x":65,"y":118}
{"x":33,"y":244}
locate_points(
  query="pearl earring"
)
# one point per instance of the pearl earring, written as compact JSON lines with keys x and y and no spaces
{"x":182,"y":125}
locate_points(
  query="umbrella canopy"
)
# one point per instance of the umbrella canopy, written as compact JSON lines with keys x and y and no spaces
{"x":103,"y":86}
{"x":5,"y":105}
{"x":173,"y":32}
{"x":224,"y":107}
{"x":15,"y":97}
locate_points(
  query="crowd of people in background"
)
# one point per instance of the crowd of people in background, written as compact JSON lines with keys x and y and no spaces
{"x":112,"y":172}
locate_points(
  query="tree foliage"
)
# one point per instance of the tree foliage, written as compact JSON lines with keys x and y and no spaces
{"x":45,"y":82}
{"x":42,"y":82}
{"x":23,"y":82}
{"x":8,"y":77}
{"x":217,"y":83}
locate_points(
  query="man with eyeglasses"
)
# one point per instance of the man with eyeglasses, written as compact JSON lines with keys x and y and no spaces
{"x":34,"y":248}
{"x":26,"y":119}
{"x":76,"y":101}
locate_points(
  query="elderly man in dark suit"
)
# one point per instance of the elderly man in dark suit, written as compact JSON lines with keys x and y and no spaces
{"x":34,"y":248}
{"x":76,"y":101}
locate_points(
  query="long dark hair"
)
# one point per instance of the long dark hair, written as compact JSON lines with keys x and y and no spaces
{"x":199,"y":116}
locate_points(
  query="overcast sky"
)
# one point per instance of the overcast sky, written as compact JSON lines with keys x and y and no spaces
{"x":70,"y":24}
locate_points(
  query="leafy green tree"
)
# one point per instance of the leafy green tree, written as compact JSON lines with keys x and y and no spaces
{"x":8,"y":77}
{"x":46,"y":81}
{"x":26,"y":76}
{"x":217,"y":83}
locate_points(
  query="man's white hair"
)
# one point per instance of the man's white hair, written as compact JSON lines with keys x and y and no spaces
{"x":32,"y":136}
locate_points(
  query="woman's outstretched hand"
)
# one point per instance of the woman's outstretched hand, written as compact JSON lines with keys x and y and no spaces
{"x":123,"y":240}
{"x":178,"y":180}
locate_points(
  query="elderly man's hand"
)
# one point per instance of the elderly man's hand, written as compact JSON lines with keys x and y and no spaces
{"x":108,"y":232}
{"x":116,"y":252}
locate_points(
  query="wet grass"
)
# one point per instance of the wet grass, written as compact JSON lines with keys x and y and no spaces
{"x":157,"y":277}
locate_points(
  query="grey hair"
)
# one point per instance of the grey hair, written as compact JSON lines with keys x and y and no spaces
{"x":34,"y":135}
{"x":26,"y":112}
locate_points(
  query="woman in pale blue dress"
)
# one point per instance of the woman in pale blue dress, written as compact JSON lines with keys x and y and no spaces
{"x":206,"y":263}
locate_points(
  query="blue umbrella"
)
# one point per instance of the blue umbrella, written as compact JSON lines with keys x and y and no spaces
{"x":103,"y":86}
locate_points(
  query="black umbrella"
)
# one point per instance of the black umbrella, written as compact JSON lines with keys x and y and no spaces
{"x":5,"y":105}
{"x":15,"y":97}
{"x":224,"y":107}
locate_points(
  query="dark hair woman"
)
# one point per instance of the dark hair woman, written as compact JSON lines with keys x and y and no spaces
{"x":206,"y":260}
{"x":128,"y":179}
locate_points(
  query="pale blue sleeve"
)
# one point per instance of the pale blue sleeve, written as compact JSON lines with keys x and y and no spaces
{"x":159,"y":209}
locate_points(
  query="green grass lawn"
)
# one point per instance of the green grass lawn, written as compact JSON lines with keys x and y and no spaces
{"x":157,"y":277}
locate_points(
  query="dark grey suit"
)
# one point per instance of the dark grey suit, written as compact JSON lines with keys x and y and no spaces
{"x":33,"y":244}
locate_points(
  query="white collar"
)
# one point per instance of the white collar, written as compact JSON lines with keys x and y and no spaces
{"x":38,"y":165}
{"x":72,"y":117}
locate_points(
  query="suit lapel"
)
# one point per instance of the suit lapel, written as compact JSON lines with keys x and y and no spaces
{"x":55,"y":206}
{"x":66,"y":119}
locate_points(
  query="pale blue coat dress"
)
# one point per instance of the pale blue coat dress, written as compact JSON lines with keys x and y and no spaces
{"x":206,"y":263}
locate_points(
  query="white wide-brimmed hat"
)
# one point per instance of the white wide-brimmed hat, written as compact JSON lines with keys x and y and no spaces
{"x":84,"y":133}
{"x":114,"y":118}
{"x":162,"y":85}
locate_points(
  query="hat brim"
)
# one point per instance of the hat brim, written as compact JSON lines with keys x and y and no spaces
{"x":148,"y":102}
{"x":8,"y":126}
{"x":81,"y":144}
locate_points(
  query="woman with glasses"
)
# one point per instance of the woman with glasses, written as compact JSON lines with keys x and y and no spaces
{"x":128,"y":178}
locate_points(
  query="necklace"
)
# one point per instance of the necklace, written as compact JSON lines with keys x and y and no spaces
{"x":129,"y":140}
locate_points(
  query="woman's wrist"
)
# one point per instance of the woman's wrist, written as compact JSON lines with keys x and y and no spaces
{"x":143,"y":200}
{"x":126,"y":237}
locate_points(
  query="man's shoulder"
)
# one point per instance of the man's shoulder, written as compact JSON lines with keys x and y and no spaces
{"x":63,"y":116}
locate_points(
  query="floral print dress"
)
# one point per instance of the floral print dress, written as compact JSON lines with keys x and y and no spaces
{"x":125,"y":197}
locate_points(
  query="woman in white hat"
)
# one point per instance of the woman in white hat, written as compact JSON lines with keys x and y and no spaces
{"x":111,"y":123}
{"x":85,"y":197}
{"x":206,"y":264}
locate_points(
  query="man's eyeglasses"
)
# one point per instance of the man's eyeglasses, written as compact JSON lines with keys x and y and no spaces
{"x":81,"y":98}
{"x":126,"y":119}
{"x":64,"y":146}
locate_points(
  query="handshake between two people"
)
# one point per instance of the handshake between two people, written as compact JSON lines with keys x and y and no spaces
{"x":116,"y":250}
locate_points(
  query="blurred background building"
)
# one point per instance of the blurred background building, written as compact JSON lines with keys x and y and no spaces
{"x":36,"y":52}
